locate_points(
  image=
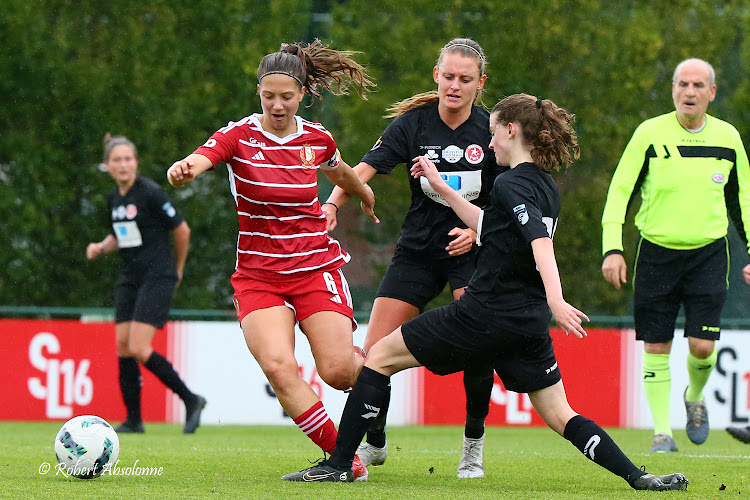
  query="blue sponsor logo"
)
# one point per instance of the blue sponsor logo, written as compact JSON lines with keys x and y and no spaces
{"x":453,"y":181}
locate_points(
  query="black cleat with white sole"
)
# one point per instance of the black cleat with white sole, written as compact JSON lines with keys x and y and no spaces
{"x":321,"y":472}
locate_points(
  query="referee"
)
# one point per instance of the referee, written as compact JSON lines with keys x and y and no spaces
{"x":691,"y":170}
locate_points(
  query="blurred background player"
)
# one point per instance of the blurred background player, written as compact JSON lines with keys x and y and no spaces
{"x":288,"y":268}
{"x":435,"y":246}
{"x":690,"y":169}
{"x":503,"y":317}
{"x":141,"y":217}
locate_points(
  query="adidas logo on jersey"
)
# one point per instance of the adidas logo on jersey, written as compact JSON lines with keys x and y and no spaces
{"x":259,"y":156}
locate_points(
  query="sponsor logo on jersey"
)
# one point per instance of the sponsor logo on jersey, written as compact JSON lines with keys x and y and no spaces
{"x":466,"y":183}
{"x":521,"y":213}
{"x":254,"y":142}
{"x":432,"y":156}
{"x":169,"y":209}
{"x":131,"y":211}
{"x":453,"y":153}
{"x":718,"y":178}
{"x":377,"y":143}
{"x":259,"y":156}
{"x":431,"y":147}
{"x":474,"y":154}
{"x":335,"y":159}
{"x":307,"y":155}
{"x":210,"y":143}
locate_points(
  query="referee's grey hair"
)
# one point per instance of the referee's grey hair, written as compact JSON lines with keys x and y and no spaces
{"x":695,"y":59}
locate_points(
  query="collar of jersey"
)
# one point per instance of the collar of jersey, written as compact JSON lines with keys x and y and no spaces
{"x":254,"y":119}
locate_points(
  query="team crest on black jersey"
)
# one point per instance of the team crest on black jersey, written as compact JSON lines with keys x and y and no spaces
{"x":521,"y":213}
{"x":307,"y":154}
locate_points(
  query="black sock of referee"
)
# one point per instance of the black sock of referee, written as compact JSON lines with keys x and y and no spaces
{"x":371,"y":391}
{"x":163,"y":369}
{"x":478,"y":385}
{"x":597,"y":446}
{"x":130,"y":386}
{"x":376,"y":430}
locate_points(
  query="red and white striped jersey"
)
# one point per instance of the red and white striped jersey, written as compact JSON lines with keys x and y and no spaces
{"x":274,"y":181}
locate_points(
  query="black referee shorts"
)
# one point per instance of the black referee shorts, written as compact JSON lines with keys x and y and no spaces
{"x":447,"y":340}
{"x":146,"y":299}
{"x":663,"y":279}
{"x":417,"y":279}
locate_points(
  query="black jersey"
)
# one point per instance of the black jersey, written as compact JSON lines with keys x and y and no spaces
{"x":524,"y":205}
{"x":141,"y":221}
{"x":462,"y":156}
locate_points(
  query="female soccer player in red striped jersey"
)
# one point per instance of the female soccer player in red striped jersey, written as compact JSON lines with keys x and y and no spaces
{"x":288,"y":267}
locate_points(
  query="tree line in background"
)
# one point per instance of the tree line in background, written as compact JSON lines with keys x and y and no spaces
{"x":167,"y":74}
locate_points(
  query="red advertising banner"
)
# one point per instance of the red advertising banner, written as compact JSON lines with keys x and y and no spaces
{"x":64,"y":368}
{"x":591,"y":371}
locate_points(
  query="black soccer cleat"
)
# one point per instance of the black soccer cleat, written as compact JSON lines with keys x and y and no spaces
{"x":661,"y":483}
{"x":321,"y":472}
{"x":193,"y":415}
{"x":740,"y":433}
{"x":128,"y":427}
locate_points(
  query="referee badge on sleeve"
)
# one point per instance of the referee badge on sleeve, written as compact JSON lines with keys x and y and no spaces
{"x":521,"y":213}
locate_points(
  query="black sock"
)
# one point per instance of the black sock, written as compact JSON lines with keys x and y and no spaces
{"x":371,"y":391}
{"x":596,"y":444}
{"x":478,"y":386}
{"x":376,"y":430}
{"x":130,"y":386}
{"x":163,"y":369}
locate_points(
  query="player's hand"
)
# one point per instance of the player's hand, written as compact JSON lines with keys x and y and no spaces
{"x":94,"y":250}
{"x":569,"y":318}
{"x":464,"y":239}
{"x":368,"y":204}
{"x":331,"y":212}
{"x":615,"y":270}
{"x":181,"y":173}
{"x":425,"y":168}
{"x":746,"y":273}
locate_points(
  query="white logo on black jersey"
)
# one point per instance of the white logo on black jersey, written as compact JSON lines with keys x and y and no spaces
{"x":432,"y":156}
{"x":259,"y":156}
{"x":453,"y":153}
{"x":521,"y":213}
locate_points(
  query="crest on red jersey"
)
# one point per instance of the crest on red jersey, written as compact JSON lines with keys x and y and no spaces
{"x":307,"y":155}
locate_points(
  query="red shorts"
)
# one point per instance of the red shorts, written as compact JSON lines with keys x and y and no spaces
{"x":320,"y":291}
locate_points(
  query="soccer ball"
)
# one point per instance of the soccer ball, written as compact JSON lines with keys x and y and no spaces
{"x":86,"y":447}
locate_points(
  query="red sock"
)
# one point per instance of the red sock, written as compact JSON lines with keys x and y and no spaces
{"x":318,"y":426}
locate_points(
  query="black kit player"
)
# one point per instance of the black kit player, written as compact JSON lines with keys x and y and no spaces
{"x":435,"y":247}
{"x":503,"y":318}
{"x":141,"y":217}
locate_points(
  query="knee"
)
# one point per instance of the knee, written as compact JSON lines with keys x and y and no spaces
{"x":123,"y":349}
{"x":340,"y":377}
{"x":702,"y":350}
{"x":141,"y":352}
{"x":281,"y":373}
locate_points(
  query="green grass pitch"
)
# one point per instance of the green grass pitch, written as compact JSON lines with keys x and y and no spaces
{"x":248,"y":461}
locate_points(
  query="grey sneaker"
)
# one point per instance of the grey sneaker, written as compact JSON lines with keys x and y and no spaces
{"x":321,"y":472}
{"x":661,"y":483}
{"x":372,"y":455}
{"x":741,"y":433}
{"x":472,"y":458}
{"x":697,"y":420}
{"x":663,"y":443}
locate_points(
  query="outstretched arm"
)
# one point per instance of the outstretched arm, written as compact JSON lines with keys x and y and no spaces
{"x":345,"y":178}
{"x":465,"y":210}
{"x":567,"y":317}
{"x":339,"y":197}
{"x":183,"y":172}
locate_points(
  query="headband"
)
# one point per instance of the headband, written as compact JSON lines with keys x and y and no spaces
{"x":287,"y":73}
{"x":467,"y":46}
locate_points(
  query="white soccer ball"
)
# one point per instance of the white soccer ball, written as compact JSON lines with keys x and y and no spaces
{"x":86,"y":447}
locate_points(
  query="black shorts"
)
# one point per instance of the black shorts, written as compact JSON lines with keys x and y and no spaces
{"x":146,"y":299}
{"x":447,"y":340}
{"x":417,"y":279}
{"x":663,"y":279}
